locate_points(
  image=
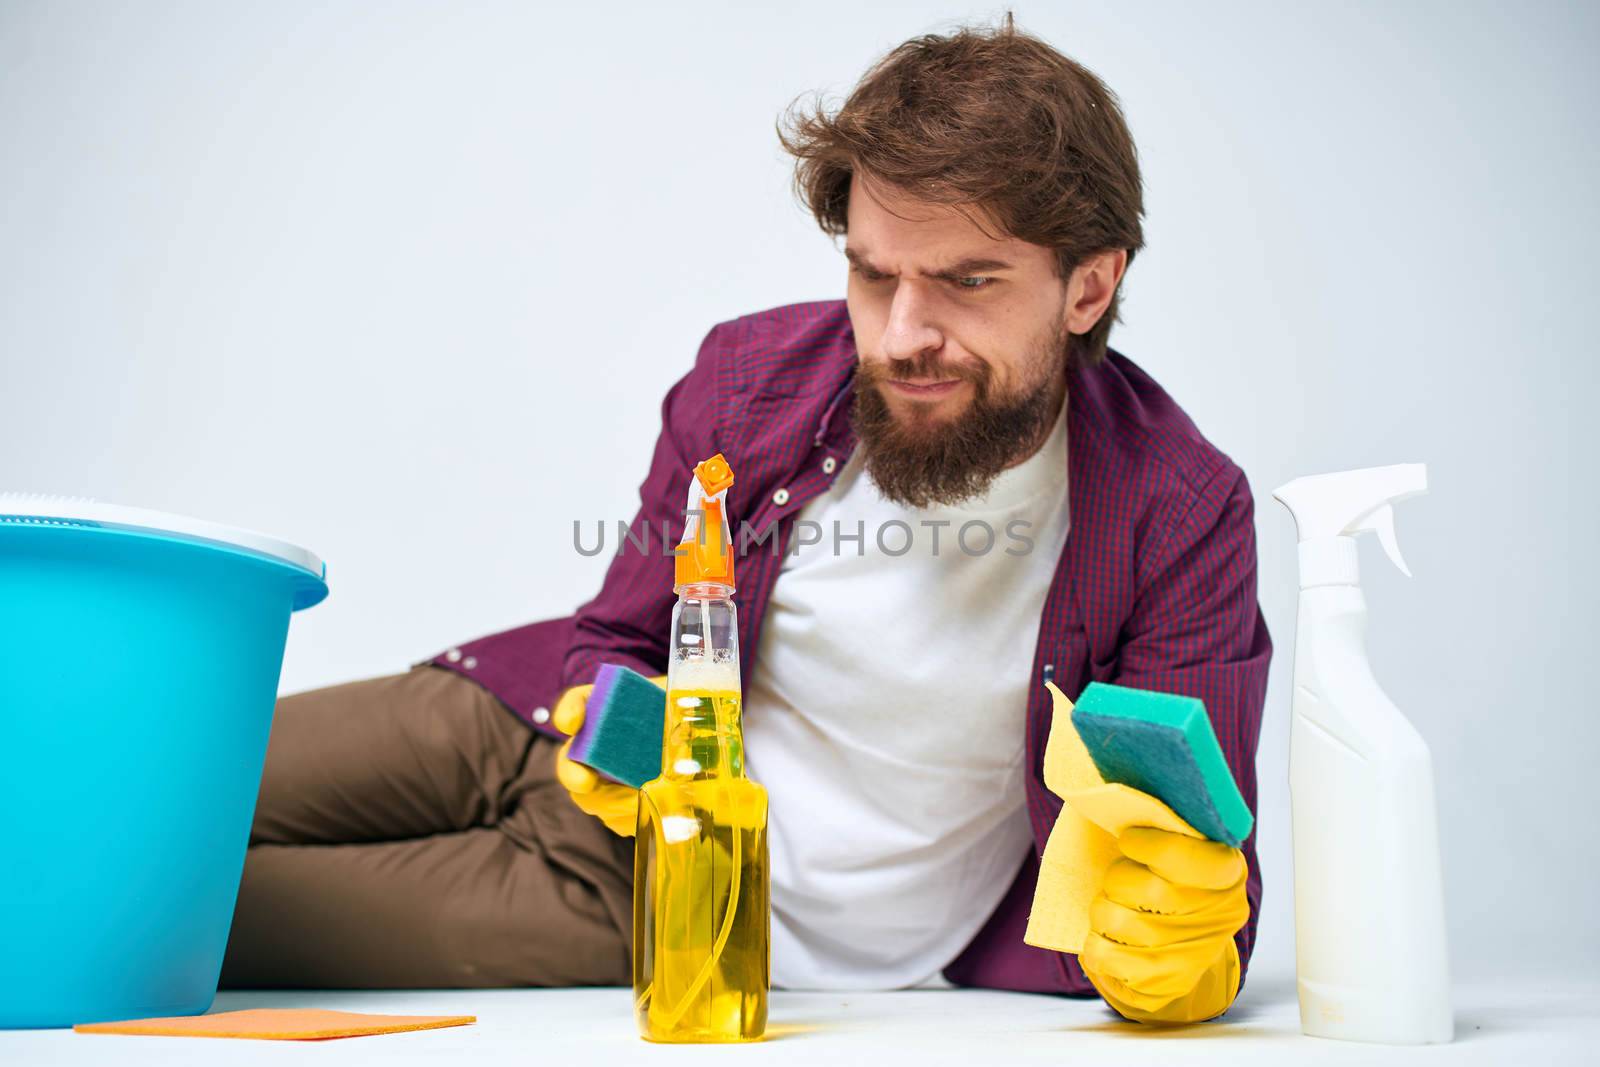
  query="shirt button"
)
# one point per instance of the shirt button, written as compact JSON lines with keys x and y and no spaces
{"x":470,"y":662}
{"x":541,"y":715}
{"x":781,"y":497}
{"x":454,"y":655}
{"x":829,"y":465}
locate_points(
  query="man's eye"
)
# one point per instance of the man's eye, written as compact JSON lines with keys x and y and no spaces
{"x":974,"y":283}
{"x":869,"y":275}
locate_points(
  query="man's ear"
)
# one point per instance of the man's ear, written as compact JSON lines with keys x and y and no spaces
{"x":1091,"y":287}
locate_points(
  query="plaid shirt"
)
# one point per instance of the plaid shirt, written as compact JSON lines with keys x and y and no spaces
{"x":1155,"y":587}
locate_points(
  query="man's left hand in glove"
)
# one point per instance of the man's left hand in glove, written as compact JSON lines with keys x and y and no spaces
{"x":1160,"y":947}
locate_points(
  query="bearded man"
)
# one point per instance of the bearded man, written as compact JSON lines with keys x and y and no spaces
{"x":957,"y":491}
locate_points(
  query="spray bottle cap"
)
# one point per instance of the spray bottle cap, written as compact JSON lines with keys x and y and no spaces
{"x":706,"y":552}
{"x":1331,"y":509}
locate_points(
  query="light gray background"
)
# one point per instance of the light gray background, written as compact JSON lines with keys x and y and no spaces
{"x":405,"y":283}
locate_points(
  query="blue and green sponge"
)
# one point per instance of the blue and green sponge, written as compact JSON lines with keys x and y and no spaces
{"x":622,"y":725}
{"x":1162,"y":744}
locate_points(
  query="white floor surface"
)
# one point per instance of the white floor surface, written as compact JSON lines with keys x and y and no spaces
{"x":1515,"y":1024}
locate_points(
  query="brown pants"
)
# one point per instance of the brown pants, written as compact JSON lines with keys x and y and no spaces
{"x":411,"y":833}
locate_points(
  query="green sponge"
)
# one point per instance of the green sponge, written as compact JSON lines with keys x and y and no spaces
{"x":622,"y":726}
{"x":1163,"y":745}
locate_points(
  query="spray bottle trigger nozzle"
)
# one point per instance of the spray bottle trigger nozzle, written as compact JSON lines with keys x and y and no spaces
{"x":1381,"y":522}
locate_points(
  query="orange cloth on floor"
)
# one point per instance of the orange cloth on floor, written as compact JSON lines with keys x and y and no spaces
{"x":281,"y":1024}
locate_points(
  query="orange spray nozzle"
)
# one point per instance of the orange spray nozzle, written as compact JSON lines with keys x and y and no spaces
{"x":706,"y":552}
{"x":714,"y":475}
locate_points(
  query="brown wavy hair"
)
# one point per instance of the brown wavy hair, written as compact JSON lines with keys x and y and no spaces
{"x":991,"y":121}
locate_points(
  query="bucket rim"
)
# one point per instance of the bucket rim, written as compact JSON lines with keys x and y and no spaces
{"x":40,"y":509}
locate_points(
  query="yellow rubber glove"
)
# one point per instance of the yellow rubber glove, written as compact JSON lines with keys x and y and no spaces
{"x":1160,"y":947}
{"x":1147,"y":904}
{"x":614,"y":804}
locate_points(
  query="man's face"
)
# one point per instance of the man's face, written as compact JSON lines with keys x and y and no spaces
{"x":962,"y":342}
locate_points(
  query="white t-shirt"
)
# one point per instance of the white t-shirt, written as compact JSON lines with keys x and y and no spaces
{"x":886,"y":719}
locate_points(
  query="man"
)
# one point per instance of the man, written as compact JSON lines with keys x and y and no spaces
{"x":413,"y":830}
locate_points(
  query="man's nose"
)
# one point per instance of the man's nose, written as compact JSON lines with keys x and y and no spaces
{"x":910,"y":331}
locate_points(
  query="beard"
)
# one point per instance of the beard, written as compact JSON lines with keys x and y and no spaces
{"x":919,"y":461}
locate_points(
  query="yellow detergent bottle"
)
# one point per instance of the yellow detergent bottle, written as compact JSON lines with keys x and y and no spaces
{"x":701,"y":897}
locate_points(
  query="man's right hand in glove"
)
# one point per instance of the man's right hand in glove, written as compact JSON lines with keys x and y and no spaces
{"x":613,"y":804}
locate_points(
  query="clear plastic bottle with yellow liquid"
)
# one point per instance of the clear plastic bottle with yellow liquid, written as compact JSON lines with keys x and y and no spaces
{"x":701,"y":905}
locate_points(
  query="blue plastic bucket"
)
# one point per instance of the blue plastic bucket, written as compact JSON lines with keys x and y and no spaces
{"x":138,"y":672}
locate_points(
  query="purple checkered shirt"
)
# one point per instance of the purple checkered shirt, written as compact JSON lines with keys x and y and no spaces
{"x":1155,"y":588}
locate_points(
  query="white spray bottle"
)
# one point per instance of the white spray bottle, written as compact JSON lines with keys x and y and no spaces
{"x":1370,"y":945}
